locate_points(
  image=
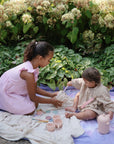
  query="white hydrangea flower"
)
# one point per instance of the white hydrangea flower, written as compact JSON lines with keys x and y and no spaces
{"x":39,"y":18}
{"x":76,"y":12}
{"x":14,"y":7}
{"x":61,"y":7}
{"x":101,"y":21}
{"x":40,"y":10}
{"x":9,"y":24}
{"x":39,"y":7}
{"x":110,"y":25}
{"x":45,"y":3}
{"x":106,"y":6}
{"x":94,"y":18}
{"x":67,"y":16}
{"x":26,"y":18}
{"x":1,"y":9}
{"x":51,"y":22}
{"x":88,"y":35}
{"x":109,"y":18}
{"x":3,"y":16}
{"x":17,"y":0}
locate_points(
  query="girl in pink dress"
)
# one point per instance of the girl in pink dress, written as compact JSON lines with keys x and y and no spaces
{"x":18,"y":86}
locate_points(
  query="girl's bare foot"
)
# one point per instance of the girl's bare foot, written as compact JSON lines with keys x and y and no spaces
{"x":71,"y":109}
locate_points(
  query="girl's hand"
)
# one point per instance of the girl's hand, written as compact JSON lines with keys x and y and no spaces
{"x":54,"y":94}
{"x":56,"y":102}
{"x":111,"y":115}
{"x":68,"y":115}
{"x":69,"y":83}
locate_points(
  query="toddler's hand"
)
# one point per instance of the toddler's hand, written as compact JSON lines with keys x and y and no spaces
{"x":69,"y":83}
{"x":56,"y":102}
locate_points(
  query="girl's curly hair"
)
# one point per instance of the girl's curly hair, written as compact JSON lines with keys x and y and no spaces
{"x":37,"y":48}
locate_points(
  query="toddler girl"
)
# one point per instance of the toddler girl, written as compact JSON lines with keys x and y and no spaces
{"x":93,"y":98}
{"x":18,"y":86}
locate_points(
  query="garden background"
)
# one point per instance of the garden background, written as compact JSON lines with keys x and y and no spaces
{"x":82,"y":32}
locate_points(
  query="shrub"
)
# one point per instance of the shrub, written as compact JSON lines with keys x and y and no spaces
{"x":84,"y":25}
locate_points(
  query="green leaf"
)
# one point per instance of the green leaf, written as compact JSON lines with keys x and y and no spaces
{"x":73,"y":35}
{"x":69,"y":24}
{"x":88,"y":14}
{"x":78,"y":58}
{"x":70,"y":51}
{"x":71,"y":64}
{"x":65,"y":81}
{"x":103,"y":29}
{"x":45,"y":19}
{"x":60,"y":74}
{"x":35,"y":29}
{"x":91,"y":4}
{"x":14,"y":17}
{"x":68,"y":75}
{"x":15,"y":30}
{"x":75,"y":75}
{"x":58,"y":26}
{"x":60,"y":85}
{"x":3,"y":34}
{"x":107,"y":39}
{"x":51,"y":76}
{"x":30,"y":8}
{"x":63,"y":32}
{"x":26,"y":27}
{"x":42,"y":81}
{"x":52,"y":84}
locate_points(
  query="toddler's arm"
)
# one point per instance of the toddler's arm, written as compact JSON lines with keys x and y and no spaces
{"x":111,"y":114}
{"x":69,"y":83}
{"x":75,"y":104}
{"x":76,"y":99}
{"x":77,"y":83}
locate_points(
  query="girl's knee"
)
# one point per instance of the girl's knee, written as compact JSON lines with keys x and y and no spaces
{"x":30,"y":113}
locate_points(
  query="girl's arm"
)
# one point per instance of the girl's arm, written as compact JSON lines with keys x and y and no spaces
{"x":45,"y":93}
{"x":32,"y":90}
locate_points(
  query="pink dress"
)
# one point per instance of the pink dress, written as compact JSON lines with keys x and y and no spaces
{"x":14,"y":96}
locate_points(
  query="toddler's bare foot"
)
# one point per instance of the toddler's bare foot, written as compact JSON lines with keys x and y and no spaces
{"x":68,"y":115}
{"x":71,"y":109}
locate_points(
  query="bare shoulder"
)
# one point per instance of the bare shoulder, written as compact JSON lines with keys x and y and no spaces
{"x":26,"y":75}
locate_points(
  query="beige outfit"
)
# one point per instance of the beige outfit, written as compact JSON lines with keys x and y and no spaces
{"x":102,"y":102}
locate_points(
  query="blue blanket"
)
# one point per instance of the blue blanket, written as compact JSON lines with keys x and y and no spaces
{"x":91,"y":135}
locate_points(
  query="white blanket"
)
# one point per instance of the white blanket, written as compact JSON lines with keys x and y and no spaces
{"x":15,"y":127}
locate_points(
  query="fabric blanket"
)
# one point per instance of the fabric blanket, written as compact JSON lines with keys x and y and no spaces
{"x":15,"y":127}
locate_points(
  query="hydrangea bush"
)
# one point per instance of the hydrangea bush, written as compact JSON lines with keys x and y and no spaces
{"x":84,"y":25}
